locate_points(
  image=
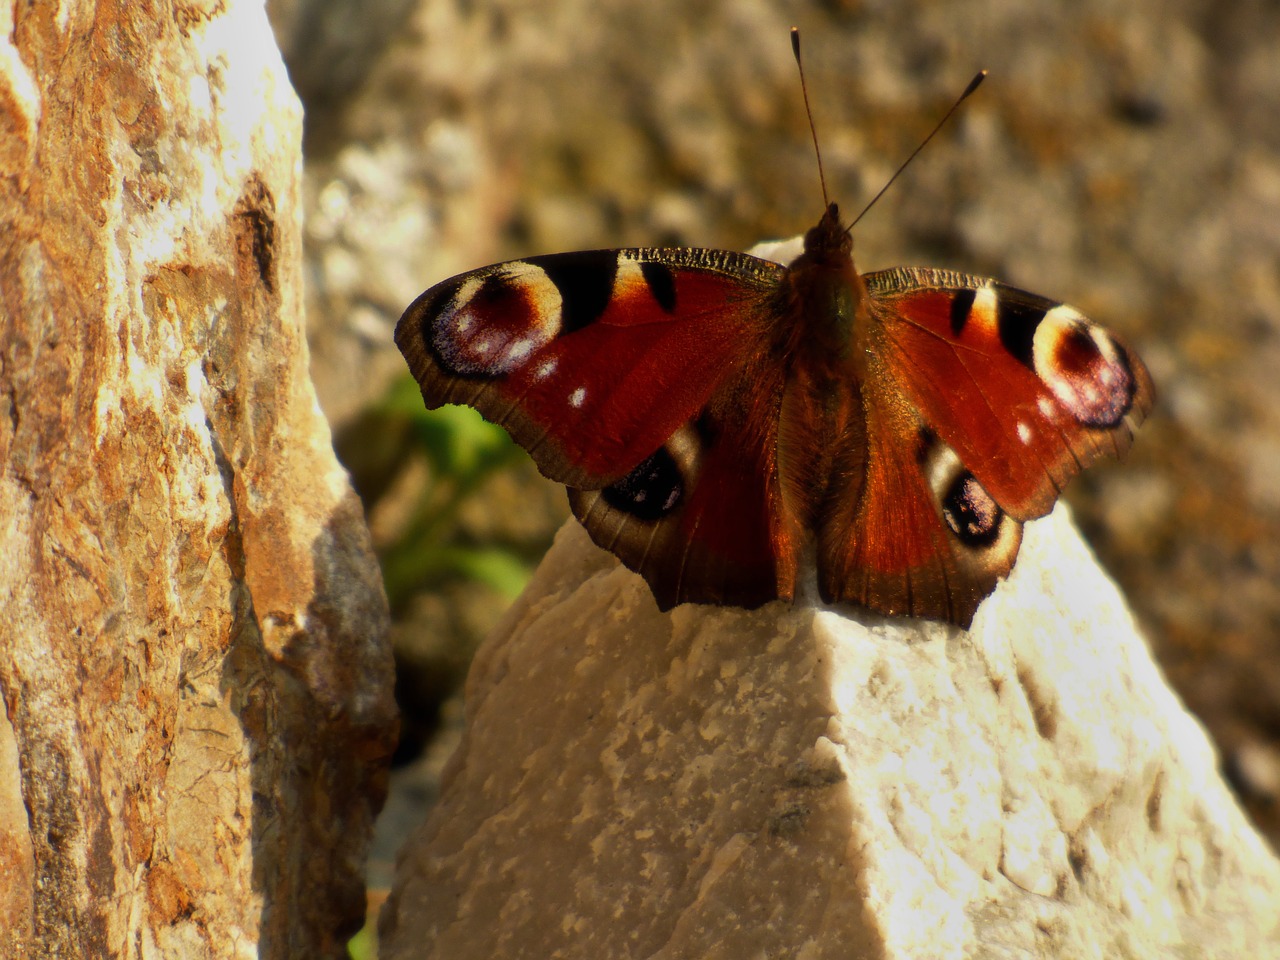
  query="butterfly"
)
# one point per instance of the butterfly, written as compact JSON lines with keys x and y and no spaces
{"x":720,"y":420}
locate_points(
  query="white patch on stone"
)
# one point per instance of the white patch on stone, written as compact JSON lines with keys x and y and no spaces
{"x":22,"y":93}
{"x":106,"y":412}
{"x":779,"y":251}
{"x":193,"y":411}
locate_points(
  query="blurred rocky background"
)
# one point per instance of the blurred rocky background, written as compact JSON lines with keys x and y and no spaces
{"x":1123,"y":158}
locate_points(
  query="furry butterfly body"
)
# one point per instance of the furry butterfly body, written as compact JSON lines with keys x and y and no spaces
{"x":716,"y":416}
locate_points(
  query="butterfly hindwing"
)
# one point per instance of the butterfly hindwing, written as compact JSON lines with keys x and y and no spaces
{"x":591,"y":361}
{"x":921,"y":538}
{"x":700,"y":519}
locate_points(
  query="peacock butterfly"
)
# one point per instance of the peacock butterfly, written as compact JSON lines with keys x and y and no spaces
{"x":717,"y":417}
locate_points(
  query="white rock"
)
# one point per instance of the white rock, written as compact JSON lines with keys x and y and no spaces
{"x":808,"y":782}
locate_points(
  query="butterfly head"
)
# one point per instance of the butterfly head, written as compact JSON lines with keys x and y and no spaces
{"x":826,"y":297}
{"x":829,"y":244}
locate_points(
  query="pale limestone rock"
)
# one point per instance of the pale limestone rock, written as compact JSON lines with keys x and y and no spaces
{"x":193,"y":655}
{"x":808,"y":782}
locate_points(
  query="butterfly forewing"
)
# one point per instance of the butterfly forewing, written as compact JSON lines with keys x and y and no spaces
{"x":1026,"y":391}
{"x":591,"y":361}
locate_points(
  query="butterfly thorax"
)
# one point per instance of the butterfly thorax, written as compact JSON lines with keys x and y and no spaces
{"x":824,"y":298}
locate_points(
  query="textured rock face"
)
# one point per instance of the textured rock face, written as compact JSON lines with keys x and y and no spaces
{"x":192,"y":653}
{"x":793,"y":782}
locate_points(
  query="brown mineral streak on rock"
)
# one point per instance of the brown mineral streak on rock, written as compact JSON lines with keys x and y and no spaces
{"x":256,"y":234}
{"x":193,"y":656}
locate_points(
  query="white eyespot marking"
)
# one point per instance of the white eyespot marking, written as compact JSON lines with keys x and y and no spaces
{"x":496,"y":319}
{"x":519,"y":350}
{"x":577,"y":397}
{"x":1064,"y":315}
{"x":650,"y":491}
{"x":1084,"y":368}
{"x":673,"y":497}
{"x":943,"y":465}
{"x":685,"y":447}
{"x":1024,"y":432}
{"x":546,"y":368}
{"x":983,"y":312}
{"x":1046,"y":407}
{"x":969,"y":511}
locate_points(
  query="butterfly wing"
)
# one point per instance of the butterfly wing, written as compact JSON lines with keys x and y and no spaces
{"x":885,"y":540}
{"x":1025,"y":390}
{"x":634,"y":377}
{"x":701,"y":519}
{"x":591,"y":361}
{"x":653,"y":382}
{"x":981,"y":401}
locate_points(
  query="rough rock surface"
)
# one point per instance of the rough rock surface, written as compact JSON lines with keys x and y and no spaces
{"x":806,"y":782}
{"x":193,"y":656}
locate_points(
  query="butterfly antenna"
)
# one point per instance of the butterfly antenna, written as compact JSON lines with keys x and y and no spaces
{"x":973,"y":85}
{"x":808,"y":112}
